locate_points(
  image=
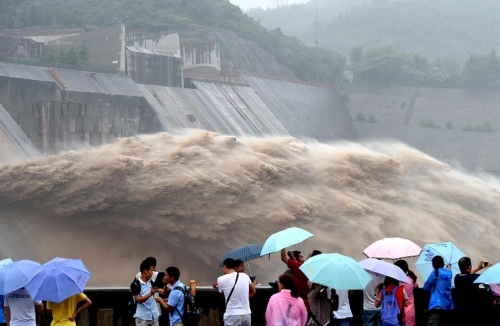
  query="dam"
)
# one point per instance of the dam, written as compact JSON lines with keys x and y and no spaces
{"x":118,"y":162}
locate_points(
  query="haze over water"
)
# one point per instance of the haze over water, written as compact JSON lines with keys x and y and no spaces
{"x":203,"y":194}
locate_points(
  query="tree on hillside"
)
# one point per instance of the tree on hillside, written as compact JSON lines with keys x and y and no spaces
{"x":51,"y":58}
{"x":72,"y":57}
{"x":34,"y":16}
{"x":381,"y":66}
{"x":482,"y":72}
{"x":61,"y":57}
{"x":439,"y":77}
{"x":83,"y":54}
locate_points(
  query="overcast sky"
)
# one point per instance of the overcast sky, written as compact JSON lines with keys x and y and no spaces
{"x":245,"y":4}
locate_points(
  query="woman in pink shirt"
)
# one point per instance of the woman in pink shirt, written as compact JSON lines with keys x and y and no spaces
{"x":286,"y":308}
{"x":411,"y":319}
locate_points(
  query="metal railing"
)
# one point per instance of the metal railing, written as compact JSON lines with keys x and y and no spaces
{"x":37,"y":63}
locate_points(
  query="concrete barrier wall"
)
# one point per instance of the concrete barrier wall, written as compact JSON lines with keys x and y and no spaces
{"x":64,"y":109}
{"x":108,"y":304}
{"x":411,"y":105}
{"x":224,"y":108}
{"x":14,"y":145}
{"x":306,"y":111}
{"x":470,"y":151}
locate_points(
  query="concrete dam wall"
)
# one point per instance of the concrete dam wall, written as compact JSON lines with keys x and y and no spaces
{"x":14,"y":145}
{"x":62,"y":109}
{"x":410,"y":105}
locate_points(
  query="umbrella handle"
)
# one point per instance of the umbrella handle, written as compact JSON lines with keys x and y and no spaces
{"x":249,"y":269}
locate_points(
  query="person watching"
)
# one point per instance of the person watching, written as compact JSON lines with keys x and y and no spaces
{"x":236,"y":289}
{"x":147,"y":313}
{"x":439,"y":284}
{"x":471,"y":300}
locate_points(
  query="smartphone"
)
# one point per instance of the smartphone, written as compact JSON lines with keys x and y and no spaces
{"x":252,"y":278}
{"x":485,"y":264}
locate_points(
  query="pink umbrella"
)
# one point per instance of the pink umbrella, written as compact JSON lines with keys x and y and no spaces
{"x":392,"y":248}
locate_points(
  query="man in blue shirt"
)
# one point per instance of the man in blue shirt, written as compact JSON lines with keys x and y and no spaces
{"x":3,"y":322}
{"x":146,"y":313}
{"x":175,"y":302}
{"x":439,"y":283}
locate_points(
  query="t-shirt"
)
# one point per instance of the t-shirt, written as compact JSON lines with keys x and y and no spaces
{"x":344,"y":310}
{"x":147,"y":310}
{"x":239,"y":303}
{"x":299,"y":277}
{"x":22,"y":308}
{"x":153,"y":279}
{"x":466,"y":292}
{"x":369,"y":293}
{"x":176,"y":301}
{"x":63,"y":311}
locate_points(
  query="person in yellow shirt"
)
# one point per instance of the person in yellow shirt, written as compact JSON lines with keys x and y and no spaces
{"x":65,"y":312}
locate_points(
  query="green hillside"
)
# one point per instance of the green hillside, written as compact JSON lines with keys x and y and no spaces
{"x":452,"y":29}
{"x":308,"y":63}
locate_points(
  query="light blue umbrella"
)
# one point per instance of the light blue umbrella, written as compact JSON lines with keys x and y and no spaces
{"x":284,"y":239}
{"x":245,"y":253}
{"x":490,"y":276}
{"x":58,"y":280}
{"x":15,"y":275}
{"x":450,"y":253}
{"x":5,"y":262}
{"x":336,"y":271}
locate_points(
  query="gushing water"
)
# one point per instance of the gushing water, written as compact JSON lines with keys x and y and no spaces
{"x":202,"y":194}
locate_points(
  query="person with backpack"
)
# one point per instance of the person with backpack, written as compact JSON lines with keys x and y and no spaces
{"x":176,"y":302}
{"x":237,"y":289}
{"x":146,"y":313}
{"x":285,"y":308}
{"x":392,"y":300}
{"x":410,"y":315}
{"x":439,"y":284}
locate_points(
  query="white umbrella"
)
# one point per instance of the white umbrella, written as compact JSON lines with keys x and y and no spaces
{"x":381,"y":268}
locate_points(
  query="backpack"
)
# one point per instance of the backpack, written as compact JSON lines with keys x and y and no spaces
{"x":192,"y":314}
{"x":390,"y":309}
{"x":131,"y":303}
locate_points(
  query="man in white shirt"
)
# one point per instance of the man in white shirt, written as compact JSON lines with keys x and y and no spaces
{"x":237,"y":289}
{"x":20,"y":308}
{"x":371,"y":314}
{"x":343,"y":315}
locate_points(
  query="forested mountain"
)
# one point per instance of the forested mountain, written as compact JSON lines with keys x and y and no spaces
{"x":444,"y":43}
{"x":452,"y":29}
{"x":308,"y":63}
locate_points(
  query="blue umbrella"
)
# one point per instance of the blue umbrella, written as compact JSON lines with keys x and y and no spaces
{"x":490,"y":276}
{"x":283,"y":239}
{"x":450,"y":253}
{"x":58,"y":280}
{"x":15,"y":275}
{"x":245,"y":253}
{"x":336,"y":271}
{"x":5,"y":262}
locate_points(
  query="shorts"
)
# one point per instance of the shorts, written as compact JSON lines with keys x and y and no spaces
{"x":142,"y":322}
{"x":240,"y":320}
